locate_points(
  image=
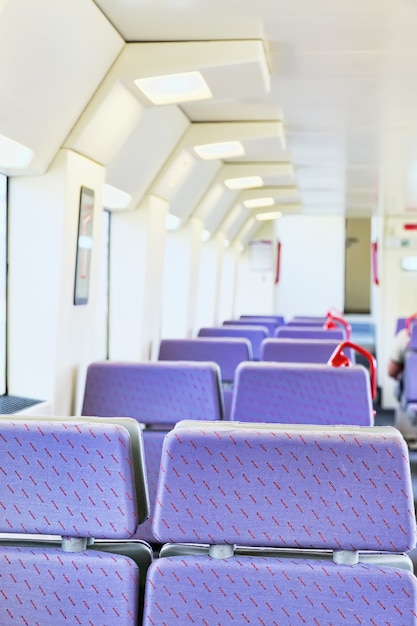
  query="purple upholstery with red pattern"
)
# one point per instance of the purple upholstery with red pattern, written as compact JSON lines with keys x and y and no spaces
{"x":296,"y":393}
{"x":343,"y":488}
{"x":75,"y":480}
{"x":255,"y":334}
{"x":227,"y":352}
{"x":49,"y":587}
{"x":158,"y":395}
{"x":66,"y":479}
{"x":153,"y":393}
{"x":311,"y":332}
{"x":298,"y":350}
{"x":267,"y":322}
{"x":276,"y":592}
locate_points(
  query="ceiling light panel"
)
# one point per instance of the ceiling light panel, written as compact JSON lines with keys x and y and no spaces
{"x":244,"y":182}
{"x":220,"y":150}
{"x":257,"y":203}
{"x":270,"y":215}
{"x":174,"y":88}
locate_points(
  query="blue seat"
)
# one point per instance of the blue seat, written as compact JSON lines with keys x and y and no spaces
{"x":269,"y":323}
{"x":157,"y":395}
{"x":303,"y":332}
{"x":258,"y":501}
{"x":255,"y":334}
{"x":226,"y":351}
{"x":73,"y":479}
{"x":298,"y":350}
{"x":295,"y":393}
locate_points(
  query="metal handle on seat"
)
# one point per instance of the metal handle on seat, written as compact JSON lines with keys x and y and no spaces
{"x":332,"y":321}
{"x":339,"y":359}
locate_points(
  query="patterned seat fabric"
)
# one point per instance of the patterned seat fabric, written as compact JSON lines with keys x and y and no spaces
{"x":298,"y":350}
{"x":153,"y":393}
{"x":294,"y":393}
{"x":227,"y":352}
{"x":345,"y":488}
{"x":157,"y":395}
{"x":269,"y":323}
{"x":255,"y":334}
{"x":74,"y":480}
{"x":300,"y":332}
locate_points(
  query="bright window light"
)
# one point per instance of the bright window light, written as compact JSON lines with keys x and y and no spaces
{"x":205,"y":235}
{"x":114,"y":198}
{"x":172,"y":88}
{"x":257,"y":203}
{"x":245,"y":182}
{"x":271,"y":215}
{"x":13,"y":153}
{"x":224,"y":150}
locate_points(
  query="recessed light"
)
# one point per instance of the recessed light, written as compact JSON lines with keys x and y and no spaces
{"x":258,"y":202}
{"x":172,"y":88}
{"x":221,"y":150}
{"x":245,"y":182}
{"x":271,"y":215}
{"x":205,"y":235}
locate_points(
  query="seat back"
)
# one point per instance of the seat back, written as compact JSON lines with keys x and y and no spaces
{"x":283,"y":488}
{"x":153,"y":393}
{"x":409,"y":395}
{"x":295,"y":332}
{"x":298,"y":350}
{"x":74,"y":479}
{"x":255,"y":334}
{"x":269,"y":323}
{"x":227,"y":352}
{"x":279,"y":319}
{"x":157,"y":395}
{"x":293,"y":393}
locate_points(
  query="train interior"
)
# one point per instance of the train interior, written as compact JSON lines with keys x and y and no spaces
{"x":211,"y":172}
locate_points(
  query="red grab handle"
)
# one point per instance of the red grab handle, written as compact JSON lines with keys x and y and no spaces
{"x":333,"y":320}
{"x":374,"y":250}
{"x":409,"y":321}
{"x":339,"y":359}
{"x":278,"y":267}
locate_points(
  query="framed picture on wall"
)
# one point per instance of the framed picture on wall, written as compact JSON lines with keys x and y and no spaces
{"x":84,"y":246}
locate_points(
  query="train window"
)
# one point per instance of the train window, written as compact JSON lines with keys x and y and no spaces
{"x":102,"y":319}
{"x":3,"y":279}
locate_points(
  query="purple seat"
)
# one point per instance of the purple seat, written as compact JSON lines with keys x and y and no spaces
{"x":294,"y":393}
{"x":157,"y":395}
{"x":298,"y":350}
{"x":294,"y":332}
{"x":409,"y":391}
{"x":75,"y":480}
{"x":269,"y":323}
{"x":306,"y":323}
{"x":227,"y":352}
{"x":279,"y":319}
{"x":255,"y":334}
{"x":283,"y":488}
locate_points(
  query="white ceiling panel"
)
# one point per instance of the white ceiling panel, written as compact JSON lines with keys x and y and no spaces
{"x":61,"y":51}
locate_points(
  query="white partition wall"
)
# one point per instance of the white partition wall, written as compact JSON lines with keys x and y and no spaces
{"x":312,"y":265}
{"x":181,"y":267}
